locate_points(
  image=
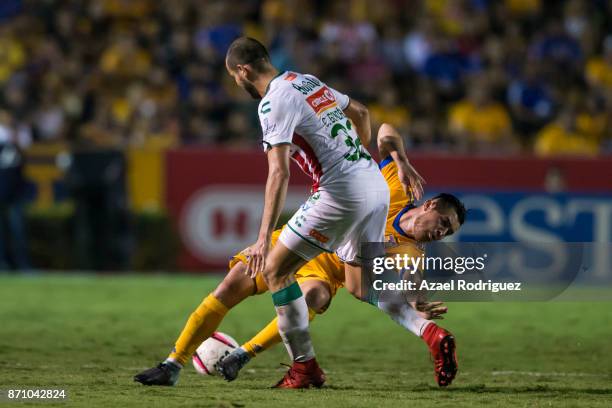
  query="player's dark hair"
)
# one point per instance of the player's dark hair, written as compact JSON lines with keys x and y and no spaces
{"x":247,"y":50}
{"x":450,"y":200}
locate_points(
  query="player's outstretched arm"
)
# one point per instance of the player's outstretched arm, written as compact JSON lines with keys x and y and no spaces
{"x":360,"y":116}
{"x":276,"y":192}
{"x":390,"y":143}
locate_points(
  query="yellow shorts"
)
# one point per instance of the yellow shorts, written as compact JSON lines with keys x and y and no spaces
{"x":325,"y":268}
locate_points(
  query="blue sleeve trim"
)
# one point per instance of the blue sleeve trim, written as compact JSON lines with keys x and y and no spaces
{"x":386,"y":161}
{"x":396,"y":221}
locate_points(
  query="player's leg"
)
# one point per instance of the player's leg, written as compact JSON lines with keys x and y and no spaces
{"x":399,"y":310}
{"x":321,"y":224}
{"x":318,"y":296}
{"x":204,"y":320}
{"x":207,"y":317}
{"x":292,"y":311}
{"x":440,"y":342}
{"x":372,"y":231}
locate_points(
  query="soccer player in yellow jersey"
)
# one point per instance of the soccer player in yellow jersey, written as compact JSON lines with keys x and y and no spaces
{"x":321,"y":278}
{"x":408,"y":226}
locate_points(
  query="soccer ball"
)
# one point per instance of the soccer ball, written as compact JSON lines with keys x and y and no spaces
{"x":210,"y":352}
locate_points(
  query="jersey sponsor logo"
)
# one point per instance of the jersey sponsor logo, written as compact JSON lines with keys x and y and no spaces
{"x":265,"y":108}
{"x":290,"y":76}
{"x":307,"y":85}
{"x":332,"y":116}
{"x":318,"y":236}
{"x":321,"y":100}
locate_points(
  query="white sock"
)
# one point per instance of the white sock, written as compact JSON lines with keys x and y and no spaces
{"x":173,"y":362}
{"x":293,"y":329}
{"x":404,"y":315}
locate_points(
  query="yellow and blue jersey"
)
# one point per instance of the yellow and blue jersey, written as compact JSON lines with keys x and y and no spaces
{"x":400,"y":202}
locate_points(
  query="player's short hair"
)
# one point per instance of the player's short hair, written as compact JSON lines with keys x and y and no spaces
{"x":247,"y":50}
{"x":450,"y":200}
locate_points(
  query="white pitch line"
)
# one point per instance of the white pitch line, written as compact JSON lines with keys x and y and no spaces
{"x":540,"y":374}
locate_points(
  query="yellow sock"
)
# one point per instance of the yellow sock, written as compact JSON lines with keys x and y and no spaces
{"x":268,"y":337}
{"x":200,"y":325}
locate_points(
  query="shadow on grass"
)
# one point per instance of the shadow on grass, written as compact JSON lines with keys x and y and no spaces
{"x":458,"y":389}
{"x":484,"y":389}
{"x":481,"y":389}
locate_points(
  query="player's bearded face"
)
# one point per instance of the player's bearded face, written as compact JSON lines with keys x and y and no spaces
{"x":250,"y":88}
{"x":239,"y":76}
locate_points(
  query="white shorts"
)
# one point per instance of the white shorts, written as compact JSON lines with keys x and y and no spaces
{"x":340,"y":222}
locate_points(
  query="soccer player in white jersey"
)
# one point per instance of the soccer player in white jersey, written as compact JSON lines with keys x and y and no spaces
{"x":318,"y":127}
{"x":321,"y":129}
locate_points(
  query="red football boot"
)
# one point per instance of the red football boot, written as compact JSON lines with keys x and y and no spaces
{"x":303,"y":375}
{"x":442,"y":348}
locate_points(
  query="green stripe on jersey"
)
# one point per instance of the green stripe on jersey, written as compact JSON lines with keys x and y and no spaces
{"x":265,"y":108}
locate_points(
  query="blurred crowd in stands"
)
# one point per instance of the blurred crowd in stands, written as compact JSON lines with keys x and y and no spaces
{"x":475,"y":76}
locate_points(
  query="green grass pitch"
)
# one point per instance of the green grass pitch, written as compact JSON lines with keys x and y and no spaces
{"x":91,"y":334}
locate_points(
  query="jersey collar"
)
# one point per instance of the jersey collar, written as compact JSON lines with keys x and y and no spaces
{"x":273,"y":79}
{"x":396,"y":221}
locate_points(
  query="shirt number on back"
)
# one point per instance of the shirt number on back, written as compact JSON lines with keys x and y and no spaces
{"x":356,"y":151}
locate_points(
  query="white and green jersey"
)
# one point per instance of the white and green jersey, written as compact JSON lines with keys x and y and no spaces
{"x":301,"y":110}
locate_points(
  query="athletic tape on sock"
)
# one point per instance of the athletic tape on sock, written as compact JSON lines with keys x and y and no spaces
{"x":287,"y":295}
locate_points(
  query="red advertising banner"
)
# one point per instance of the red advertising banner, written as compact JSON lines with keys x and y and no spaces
{"x":519,"y":173}
{"x":215,"y":197}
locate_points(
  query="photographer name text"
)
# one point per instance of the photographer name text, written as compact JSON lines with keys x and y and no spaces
{"x":453,"y":285}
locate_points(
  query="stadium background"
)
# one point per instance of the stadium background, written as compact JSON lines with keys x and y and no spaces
{"x":125,"y":147}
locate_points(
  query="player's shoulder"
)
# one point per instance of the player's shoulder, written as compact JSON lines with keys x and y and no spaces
{"x":387,"y":163}
{"x":398,"y":244}
{"x":399,"y":196}
{"x":281,"y":90}
{"x":265,"y":105}
{"x":299,"y":84}
{"x":289,"y":88}
{"x":269,"y":104}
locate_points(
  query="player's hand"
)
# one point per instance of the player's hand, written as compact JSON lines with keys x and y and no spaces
{"x":431,"y":310}
{"x":256,"y":257}
{"x":408,"y":176}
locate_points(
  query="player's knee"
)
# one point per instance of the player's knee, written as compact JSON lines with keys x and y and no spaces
{"x":225,"y":289}
{"x":272,"y":276}
{"x":317,"y":298}
{"x":235,"y":287}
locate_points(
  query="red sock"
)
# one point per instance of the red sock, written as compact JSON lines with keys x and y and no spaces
{"x":429,"y":334}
